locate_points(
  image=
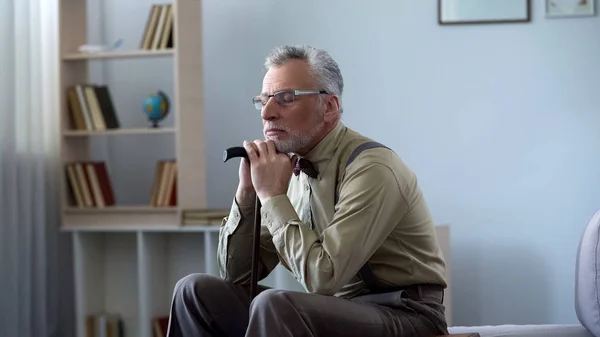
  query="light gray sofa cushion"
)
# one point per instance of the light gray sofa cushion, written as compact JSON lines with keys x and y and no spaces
{"x":508,"y":330}
{"x":587,"y":277}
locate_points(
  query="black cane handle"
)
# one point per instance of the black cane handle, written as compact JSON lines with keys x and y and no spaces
{"x":233,"y":152}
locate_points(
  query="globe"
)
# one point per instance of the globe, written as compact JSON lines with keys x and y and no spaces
{"x":156,"y":107}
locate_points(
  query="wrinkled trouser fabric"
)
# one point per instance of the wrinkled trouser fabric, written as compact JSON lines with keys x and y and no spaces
{"x":206,"y":305}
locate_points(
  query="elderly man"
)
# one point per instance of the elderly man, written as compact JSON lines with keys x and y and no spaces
{"x":341,"y":212}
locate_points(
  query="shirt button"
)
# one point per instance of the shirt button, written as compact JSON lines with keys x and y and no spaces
{"x":306,"y":187}
{"x":235,"y":214}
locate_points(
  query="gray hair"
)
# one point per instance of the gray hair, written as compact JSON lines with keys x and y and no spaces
{"x":324,"y":69}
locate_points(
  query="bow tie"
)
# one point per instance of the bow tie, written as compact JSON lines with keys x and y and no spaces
{"x":305,"y":166}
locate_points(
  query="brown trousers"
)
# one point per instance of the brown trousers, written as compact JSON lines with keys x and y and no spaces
{"x":205,"y":305}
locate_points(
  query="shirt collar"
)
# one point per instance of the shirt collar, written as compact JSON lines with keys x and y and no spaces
{"x":323,"y":152}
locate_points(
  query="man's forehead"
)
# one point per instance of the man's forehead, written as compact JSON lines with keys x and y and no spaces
{"x":271,"y":87}
{"x":291,"y":75}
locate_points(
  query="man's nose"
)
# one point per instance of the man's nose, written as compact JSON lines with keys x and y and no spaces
{"x":270,"y":110}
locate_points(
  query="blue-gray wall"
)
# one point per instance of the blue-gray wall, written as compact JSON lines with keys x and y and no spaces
{"x":499,"y":122}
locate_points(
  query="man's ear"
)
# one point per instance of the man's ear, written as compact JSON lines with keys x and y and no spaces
{"x":332,"y":106}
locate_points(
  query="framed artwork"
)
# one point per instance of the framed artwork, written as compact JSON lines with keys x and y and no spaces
{"x":453,"y":12}
{"x":569,"y":8}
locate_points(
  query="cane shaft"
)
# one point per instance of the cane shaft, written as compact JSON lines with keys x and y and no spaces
{"x":255,"y":250}
{"x":239,"y":151}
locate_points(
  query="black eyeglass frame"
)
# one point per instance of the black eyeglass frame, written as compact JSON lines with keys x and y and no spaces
{"x":261,"y":100}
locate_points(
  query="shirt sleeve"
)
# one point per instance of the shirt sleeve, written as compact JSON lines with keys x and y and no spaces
{"x":234,"y":251}
{"x":369,"y":207}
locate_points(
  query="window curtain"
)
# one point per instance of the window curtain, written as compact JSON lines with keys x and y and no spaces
{"x":35,"y":262}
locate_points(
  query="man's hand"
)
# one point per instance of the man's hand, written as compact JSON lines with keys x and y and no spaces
{"x":245,"y":194}
{"x":270,"y":171}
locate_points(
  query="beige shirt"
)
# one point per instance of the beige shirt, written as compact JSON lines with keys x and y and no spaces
{"x":381,"y":216}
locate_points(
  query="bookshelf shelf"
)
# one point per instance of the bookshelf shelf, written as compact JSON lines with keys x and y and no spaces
{"x":118,"y":54}
{"x":109,"y":132}
{"x":121,"y":209}
{"x":123,"y":217}
{"x":143,"y":229}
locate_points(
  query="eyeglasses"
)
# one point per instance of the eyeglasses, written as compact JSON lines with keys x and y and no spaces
{"x":283,"y":97}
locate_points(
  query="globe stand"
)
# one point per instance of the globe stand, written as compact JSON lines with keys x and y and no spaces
{"x":155,"y":125}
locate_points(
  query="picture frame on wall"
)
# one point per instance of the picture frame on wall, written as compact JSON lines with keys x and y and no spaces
{"x":570,"y":8}
{"x":458,"y":12}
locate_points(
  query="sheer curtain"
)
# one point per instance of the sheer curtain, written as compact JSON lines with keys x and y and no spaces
{"x":35,"y":276}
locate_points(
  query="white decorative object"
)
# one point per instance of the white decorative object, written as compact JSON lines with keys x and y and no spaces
{"x":93,"y":48}
{"x":570,"y":8}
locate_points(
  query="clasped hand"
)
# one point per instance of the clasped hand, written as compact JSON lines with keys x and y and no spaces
{"x":270,"y":171}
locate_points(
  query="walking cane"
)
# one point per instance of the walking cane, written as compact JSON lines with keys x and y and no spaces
{"x":239,"y":151}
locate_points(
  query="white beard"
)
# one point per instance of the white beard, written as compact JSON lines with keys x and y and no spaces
{"x":297,"y":140}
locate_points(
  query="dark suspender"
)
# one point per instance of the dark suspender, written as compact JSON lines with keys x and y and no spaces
{"x":365,"y":271}
{"x":361,"y":148}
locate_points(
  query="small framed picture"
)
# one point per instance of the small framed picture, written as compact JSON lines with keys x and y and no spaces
{"x":569,"y":8}
{"x":457,"y":12}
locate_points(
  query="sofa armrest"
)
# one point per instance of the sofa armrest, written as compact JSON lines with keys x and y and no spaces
{"x":461,"y":335}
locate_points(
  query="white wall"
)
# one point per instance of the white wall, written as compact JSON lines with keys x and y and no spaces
{"x":498,"y":121}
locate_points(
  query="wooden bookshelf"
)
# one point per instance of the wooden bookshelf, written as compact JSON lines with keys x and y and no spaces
{"x":183,"y":46}
{"x":128,"y":256}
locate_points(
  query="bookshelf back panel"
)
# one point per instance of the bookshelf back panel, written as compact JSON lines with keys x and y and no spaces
{"x":131,"y":81}
{"x":154,"y":252}
{"x":131,"y":166}
{"x":121,"y":281}
{"x":90,"y":272}
{"x":133,"y":162}
{"x":106,"y":271}
{"x":131,"y":14}
{"x":132,"y":157}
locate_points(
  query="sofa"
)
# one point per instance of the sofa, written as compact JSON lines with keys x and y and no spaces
{"x":586,"y":300}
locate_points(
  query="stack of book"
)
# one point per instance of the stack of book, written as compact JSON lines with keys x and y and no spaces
{"x":164,"y":186}
{"x":89,"y":184}
{"x":91,"y":107}
{"x":201,"y":217}
{"x":158,"y":33}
